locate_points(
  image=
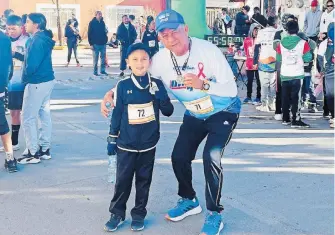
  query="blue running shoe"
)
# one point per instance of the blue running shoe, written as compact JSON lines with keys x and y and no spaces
{"x":185,"y":207}
{"x":257,"y":101}
{"x":213,"y":224}
{"x":247,"y":101}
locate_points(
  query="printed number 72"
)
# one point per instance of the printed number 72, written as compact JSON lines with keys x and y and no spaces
{"x":141,"y":113}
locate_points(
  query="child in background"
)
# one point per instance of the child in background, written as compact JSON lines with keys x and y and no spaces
{"x":150,"y":37}
{"x":293,"y":52}
{"x":133,"y":135}
{"x":114,"y":42}
{"x":252,"y":72}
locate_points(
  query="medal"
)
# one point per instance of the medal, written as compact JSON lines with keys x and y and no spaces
{"x":153,"y":88}
{"x":180,"y":79}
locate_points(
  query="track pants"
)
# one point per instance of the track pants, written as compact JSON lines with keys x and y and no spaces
{"x":268,"y":89}
{"x":251,"y":74}
{"x":218,"y":129}
{"x":129,"y":164}
{"x":291,"y":98}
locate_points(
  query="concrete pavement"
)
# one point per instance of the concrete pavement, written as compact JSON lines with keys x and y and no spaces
{"x":277,"y":180}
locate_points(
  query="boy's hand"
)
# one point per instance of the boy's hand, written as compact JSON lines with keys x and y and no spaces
{"x":111,"y":146}
{"x":107,"y":98}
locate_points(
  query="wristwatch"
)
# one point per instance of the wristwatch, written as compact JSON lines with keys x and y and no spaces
{"x":111,"y":139}
{"x":206,"y":86}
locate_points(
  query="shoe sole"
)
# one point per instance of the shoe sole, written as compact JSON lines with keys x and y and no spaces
{"x":218,"y":233}
{"x":300,"y":127}
{"x":194,"y":211}
{"x":45,"y":157}
{"x":286,"y":124}
{"x":11,"y":170}
{"x":113,"y":230}
{"x":32,"y":161}
{"x":136,"y":230}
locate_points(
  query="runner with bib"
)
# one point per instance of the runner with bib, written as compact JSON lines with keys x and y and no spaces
{"x":198,"y":75}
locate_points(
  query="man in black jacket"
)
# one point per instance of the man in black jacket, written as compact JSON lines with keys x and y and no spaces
{"x":126,"y":34}
{"x":5,"y":74}
{"x":97,"y":38}
{"x":242,"y":22}
{"x":258,"y":18}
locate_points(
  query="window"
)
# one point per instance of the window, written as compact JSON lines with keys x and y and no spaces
{"x":65,"y":13}
{"x":114,"y":15}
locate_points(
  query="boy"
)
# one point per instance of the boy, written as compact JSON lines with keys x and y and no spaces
{"x":133,"y":135}
{"x":5,"y":73}
{"x":15,"y":86}
{"x":293,"y":52}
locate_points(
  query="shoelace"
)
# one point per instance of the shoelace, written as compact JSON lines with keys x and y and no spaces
{"x":212,"y":219}
{"x":181,"y":202}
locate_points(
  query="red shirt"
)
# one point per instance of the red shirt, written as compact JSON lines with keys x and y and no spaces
{"x":249,"y":48}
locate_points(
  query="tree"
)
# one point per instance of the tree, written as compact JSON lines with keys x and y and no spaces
{"x":58,"y":22}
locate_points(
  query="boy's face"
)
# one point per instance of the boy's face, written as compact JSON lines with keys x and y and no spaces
{"x":14,"y":31}
{"x":139,"y":62}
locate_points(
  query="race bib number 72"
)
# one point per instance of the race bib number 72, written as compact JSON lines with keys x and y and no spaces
{"x":141,"y":113}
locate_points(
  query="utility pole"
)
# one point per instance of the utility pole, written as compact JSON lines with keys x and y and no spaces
{"x":58,"y":24}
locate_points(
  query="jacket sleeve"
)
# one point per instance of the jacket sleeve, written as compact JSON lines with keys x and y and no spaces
{"x":307,"y":57}
{"x":18,"y":56}
{"x":6,"y":63}
{"x":117,"y":111}
{"x":89,"y":34}
{"x":277,"y":40}
{"x":278,"y":55}
{"x":165,"y":106}
{"x":35,"y":57}
{"x":321,"y":62}
{"x":134,"y":33}
{"x":223,"y":74}
{"x":256,"y":53}
{"x":119,"y":35}
{"x":305,"y":23}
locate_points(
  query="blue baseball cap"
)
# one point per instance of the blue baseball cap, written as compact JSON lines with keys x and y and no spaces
{"x":168,"y":19}
{"x":137,"y":46}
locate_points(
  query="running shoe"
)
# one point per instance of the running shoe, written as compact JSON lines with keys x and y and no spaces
{"x":113,"y":224}
{"x":213,"y":224}
{"x":185,"y":207}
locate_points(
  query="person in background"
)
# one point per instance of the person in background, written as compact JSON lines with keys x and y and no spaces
{"x":38,"y":75}
{"x":218,"y":24}
{"x":150,"y":37}
{"x":327,"y":17}
{"x":126,"y":34}
{"x":3,"y":19}
{"x":71,"y":35}
{"x":24,"y":20}
{"x":252,"y":72}
{"x":5,"y":74}
{"x":114,"y":42}
{"x":258,"y":18}
{"x":327,"y":73}
{"x":76,"y":25}
{"x":97,"y":38}
{"x":265,"y":58}
{"x":15,"y":85}
{"x":227,"y":21}
{"x":242,"y":22}
{"x":293,"y":52}
{"x":312,"y":21}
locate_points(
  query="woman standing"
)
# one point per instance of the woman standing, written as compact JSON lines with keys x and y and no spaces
{"x":150,"y":37}
{"x":71,"y":33}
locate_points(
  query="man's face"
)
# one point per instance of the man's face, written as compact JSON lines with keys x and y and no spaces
{"x":139,"y":61}
{"x":30,"y":26}
{"x":313,"y":9}
{"x":175,"y":39}
{"x":224,"y":12}
{"x":14,"y":31}
{"x":125,"y":20}
{"x":99,"y":16}
{"x":330,"y":6}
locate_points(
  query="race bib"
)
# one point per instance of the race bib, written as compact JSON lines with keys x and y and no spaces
{"x":200,"y":106}
{"x":141,"y":113}
{"x":152,"y":43}
{"x":292,"y":58}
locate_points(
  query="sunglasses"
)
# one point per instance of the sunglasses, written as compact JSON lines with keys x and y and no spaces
{"x":330,"y":5}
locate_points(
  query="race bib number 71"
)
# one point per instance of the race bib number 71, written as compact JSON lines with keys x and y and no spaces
{"x":200,"y":106}
{"x":141,"y":113}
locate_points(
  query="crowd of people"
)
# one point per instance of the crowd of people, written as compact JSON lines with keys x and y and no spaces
{"x":195,"y":71}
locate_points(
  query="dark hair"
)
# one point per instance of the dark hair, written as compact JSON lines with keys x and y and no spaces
{"x":329,"y":1}
{"x":272,"y":20}
{"x":70,"y":21}
{"x":114,"y":33}
{"x":14,"y":20}
{"x":246,"y":7}
{"x":49,"y":33}
{"x":39,"y":19}
{"x":224,"y":9}
{"x":8,"y":12}
{"x":24,"y":18}
{"x":257,"y":9}
{"x":149,"y":20}
{"x":124,"y":16}
{"x":290,"y":17}
{"x":132,"y":17}
{"x":292,"y":27}
{"x":295,"y":18}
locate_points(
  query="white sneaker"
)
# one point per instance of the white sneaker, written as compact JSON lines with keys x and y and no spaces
{"x":331,"y":121}
{"x":15,"y":148}
{"x":263,"y":108}
{"x":278,"y":117}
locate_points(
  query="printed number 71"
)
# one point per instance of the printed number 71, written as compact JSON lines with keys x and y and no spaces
{"x":198,"y":106}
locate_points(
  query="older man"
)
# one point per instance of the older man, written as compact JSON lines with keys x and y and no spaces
{"x":209,"y":93}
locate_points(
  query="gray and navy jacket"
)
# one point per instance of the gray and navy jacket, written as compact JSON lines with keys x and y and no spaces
{"x":137,"y":137}
{"x":6,"y":63}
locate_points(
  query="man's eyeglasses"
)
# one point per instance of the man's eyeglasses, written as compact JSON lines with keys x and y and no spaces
{"x":330,"y":5}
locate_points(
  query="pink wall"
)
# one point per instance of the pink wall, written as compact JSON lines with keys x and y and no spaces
{"x":4,"y":4}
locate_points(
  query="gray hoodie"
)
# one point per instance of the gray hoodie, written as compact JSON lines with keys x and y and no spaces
{"x":312,"y":23}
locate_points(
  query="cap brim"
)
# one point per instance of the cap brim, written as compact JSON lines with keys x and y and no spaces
{"x":167,"y":26}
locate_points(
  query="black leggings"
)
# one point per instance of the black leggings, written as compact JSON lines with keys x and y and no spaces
{"x":251,"y":74}
{"x":72,"y":46}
